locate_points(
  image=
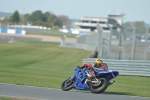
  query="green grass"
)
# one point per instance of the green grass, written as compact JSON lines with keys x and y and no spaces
{"x":131,"y":85}
{"x":48,"y":65}
{"x":38,"y":63}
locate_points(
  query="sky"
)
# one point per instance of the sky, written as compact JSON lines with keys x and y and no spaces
{"x":134,"y":10}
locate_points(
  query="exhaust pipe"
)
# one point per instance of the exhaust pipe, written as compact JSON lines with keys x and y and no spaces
{"x":96,"y":82}
{"x":111,"y":82}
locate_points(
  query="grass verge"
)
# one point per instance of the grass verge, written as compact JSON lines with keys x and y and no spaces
{"x":14,"y":98}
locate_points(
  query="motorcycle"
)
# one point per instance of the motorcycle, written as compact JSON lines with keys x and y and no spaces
{"x":81,"y":81}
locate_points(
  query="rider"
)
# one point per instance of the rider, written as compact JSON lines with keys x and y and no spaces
{"x":98,"y":64}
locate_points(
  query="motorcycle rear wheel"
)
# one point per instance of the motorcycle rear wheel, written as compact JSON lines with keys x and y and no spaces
{"x":101,"y":87}
{"x":67,"y":84}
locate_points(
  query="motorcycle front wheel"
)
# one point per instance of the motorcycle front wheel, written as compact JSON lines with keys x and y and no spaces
{"x":100,"y":86}
{"x":68,"y":84}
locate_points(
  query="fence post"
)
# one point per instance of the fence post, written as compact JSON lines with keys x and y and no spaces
{"x":100,"y":40}
{"x":133,"y":42}
{"x":0,"y":27}
{"x":146,"y":40}
{"x":63,"y":40}
{"x":7,"y":25}
{"x":109,"y":54}
{"x":120,"y":29}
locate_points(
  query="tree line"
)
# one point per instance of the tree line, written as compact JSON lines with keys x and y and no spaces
{"x":140,"y":27}
{"x":46,"y":19}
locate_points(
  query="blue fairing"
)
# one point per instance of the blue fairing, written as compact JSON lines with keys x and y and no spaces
{"x":110,"y":73}
{"x":80,"y":77}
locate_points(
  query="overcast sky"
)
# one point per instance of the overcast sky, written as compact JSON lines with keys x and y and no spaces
{"x":135,"y":10}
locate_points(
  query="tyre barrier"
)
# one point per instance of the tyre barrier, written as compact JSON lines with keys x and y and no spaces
{"x":72,"y":31}
{"x":12,"y":31}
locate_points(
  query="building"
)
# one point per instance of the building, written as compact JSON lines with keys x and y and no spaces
{"x":89,"y":23}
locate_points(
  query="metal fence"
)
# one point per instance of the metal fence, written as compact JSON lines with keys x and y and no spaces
{"x":122,"y":43}
{"x":126,"y":67}
{"x":127,"y":45}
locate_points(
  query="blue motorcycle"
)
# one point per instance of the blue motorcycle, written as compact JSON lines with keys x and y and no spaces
{"x":81,"y":81}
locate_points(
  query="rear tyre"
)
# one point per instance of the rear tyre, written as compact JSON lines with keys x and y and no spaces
{"x":68,"y":84}
{"x":99,"y":87}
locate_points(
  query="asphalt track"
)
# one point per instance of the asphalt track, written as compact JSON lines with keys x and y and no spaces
{"x":40,"y":93}
{"x":35,"y":38}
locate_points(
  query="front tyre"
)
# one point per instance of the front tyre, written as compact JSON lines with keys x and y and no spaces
{"x":68,"y":84}
{"x":99,"y":87}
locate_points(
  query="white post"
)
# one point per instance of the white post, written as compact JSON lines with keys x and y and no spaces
{"x":15,"y":26}
{"x":23,"y":19}
{"x":146,"y":40}
{"x":7,"y":25}
{"x":120,"y":31}
{"x":0,"y":27}
{"x":110,"y":28}
{"x":100,"y":41}
{"x":133,"y":51}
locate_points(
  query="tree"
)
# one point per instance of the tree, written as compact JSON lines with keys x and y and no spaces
{"x":5,"y":20}
{"x":36,"y":16}
{"x":53,"y":20}
{"x":26,"y":17}
{"x":15,"y":17}
{"x":46,"y":15}
{"x":64,"y":20}
{"x":140,"y":27}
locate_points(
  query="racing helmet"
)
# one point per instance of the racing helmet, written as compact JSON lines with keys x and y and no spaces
{"x":98,"y":61}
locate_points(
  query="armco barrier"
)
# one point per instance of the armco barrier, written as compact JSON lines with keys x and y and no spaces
{"x":12,"y":31}
{"x":126,"y":67}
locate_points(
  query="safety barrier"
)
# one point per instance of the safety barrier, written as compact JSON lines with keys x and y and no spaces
{"x":12,"y":31}
{"x":72,"y":31}
{"x":126,"y":67}
{"x":29,"y":26}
